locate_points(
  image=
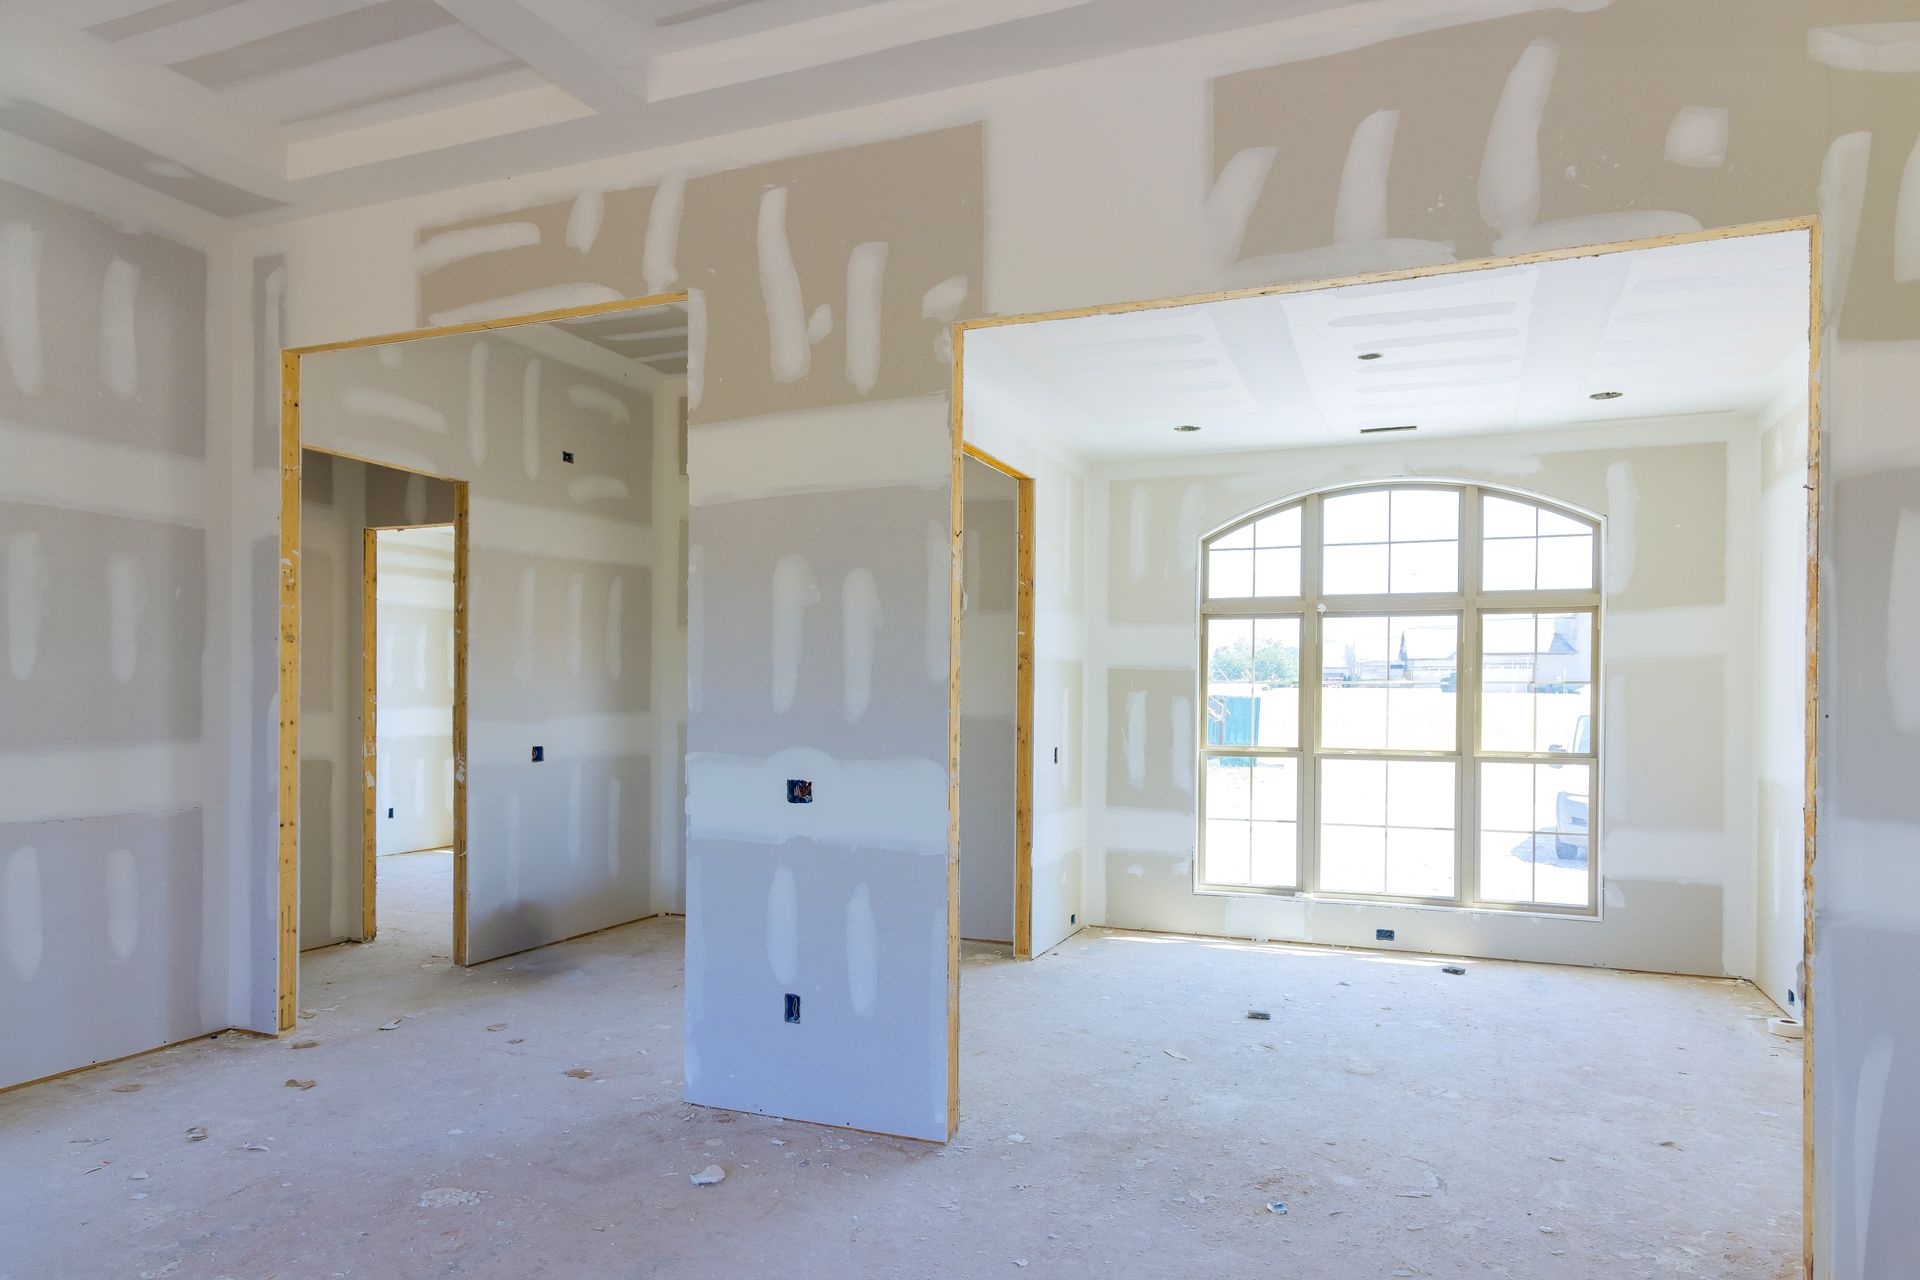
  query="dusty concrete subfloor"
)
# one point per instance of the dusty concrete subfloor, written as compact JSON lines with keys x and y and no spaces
{"x":1520,"y":1121}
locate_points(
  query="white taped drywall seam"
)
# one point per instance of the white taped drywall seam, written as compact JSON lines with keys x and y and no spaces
{"x":499,"y":525}
{"x":898,"y":804}
{"x":593,"y":736}
{"x":41,"y":785}
{"x":415,"y":722}
{"x":58,"y":470}
{"x":879,"y":445}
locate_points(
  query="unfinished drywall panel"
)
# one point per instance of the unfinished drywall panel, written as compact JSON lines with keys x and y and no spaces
{"x":837,"y":272}
{"x":1676,"y":852}
{"x":817,"y":822}
{"x":414,"y":664}
{"x":559,"y":458}
{"x":114,"y":851}
{"x":333,"y":501}
{"x":989,"y":762}
{"x":1012,"y":428}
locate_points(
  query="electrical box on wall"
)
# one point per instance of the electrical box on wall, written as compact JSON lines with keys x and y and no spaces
{"x":799,"y":791}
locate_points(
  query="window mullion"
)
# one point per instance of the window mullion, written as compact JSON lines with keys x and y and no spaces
{"x":1466,"y":843}
{"x":1307,"y":803}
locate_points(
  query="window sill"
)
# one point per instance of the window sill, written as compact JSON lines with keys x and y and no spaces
{"x":1399,"y":904}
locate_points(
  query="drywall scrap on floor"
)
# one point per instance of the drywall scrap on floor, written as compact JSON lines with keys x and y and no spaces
{"x":560,"y":594}
{"x":114,"y":864}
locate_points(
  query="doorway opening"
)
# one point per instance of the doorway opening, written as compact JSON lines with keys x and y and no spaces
{"x":408,"y":708}
{"x":996,"y":706}
{"x":1468,"y":611}
{"x":554,"y":445}
{"x":380,"y":684}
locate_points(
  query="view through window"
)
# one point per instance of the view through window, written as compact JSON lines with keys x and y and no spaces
{"x":1399,"y":699}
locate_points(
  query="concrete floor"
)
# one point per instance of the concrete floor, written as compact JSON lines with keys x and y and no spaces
{"x":1520,"y":1120}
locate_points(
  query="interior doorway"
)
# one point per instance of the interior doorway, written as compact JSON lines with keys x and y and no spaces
{"x":407,"y":700}
{"x":379,"y":691}
{"x":996,"y":706}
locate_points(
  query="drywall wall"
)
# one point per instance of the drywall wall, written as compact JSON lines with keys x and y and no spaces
{"x":560,"y":593}
{"x":333,"y":506}
{"x":1166,"y":171}
{"x":989,"y":765}
{"x":1676,"y":690}
{"x":413,"y":663}
{"x":1007,"y":416}
{"x":1780,"y":705}
{"x":116,"y":860}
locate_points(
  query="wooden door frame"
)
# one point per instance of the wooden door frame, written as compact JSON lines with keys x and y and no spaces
{"x":1022,"y":699}
{"x":287,"y":969}
{"x":1809,"y":223}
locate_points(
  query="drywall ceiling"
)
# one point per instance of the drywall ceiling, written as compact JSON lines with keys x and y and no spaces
{"x":1713,"y":327}
{"x":271,"y":108}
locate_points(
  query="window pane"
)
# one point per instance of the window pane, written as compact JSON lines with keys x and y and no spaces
{"x":1353,"y":859}
{"x":1276,"y":682}
{"x":1389,"y":682}
{"x":1566,"y":564}
{"x":1534,"y":844}
{"x":1505,"y":518}
{"x":1241,"y":538}
{"x":1282,"y":529}
{"x":1276,"y":789}
{"x":1353,"y":792}
{"x":1419,"y":863}
{"x":1426,"y":515}
{"x":1553,"y":524}
{"x":1229,"y":574}
{"x":1276,"y":571}
{"x":1354,"y":517}
{"x":1423,"y":674}
{"x":1274,"y":855}
{"x":1506,"y":564}
{"x":1354,"y":570}
{"x":1425,"y":566}
{"x":1228,"y":853}
{"x":1536,"y":679}
{"x":1230,"y":698}
{"x":1420,"y":793}
{"x":1229,"y":787}
{"x":1353,"y":673}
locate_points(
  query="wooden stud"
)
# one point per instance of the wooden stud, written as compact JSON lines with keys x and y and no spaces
{"x":289,"y":845}
{"x":1022,"y":702}
{"x":1811,"y":781}
{"x":460,"y":580}
{"x":369,"y":725}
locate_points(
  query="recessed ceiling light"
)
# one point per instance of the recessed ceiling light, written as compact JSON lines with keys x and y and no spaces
{"x":1606,"y":395}
{"x":1374,"y":431}
{"x":1369,"y":355}
{"x":1186,"y":426}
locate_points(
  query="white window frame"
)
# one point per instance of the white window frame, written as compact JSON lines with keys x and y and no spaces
{"x":1470,"y":603}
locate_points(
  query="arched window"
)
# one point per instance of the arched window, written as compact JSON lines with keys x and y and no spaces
{"x":1398,"y":699}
